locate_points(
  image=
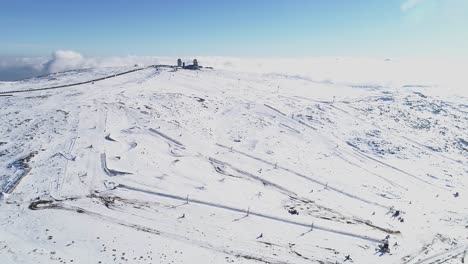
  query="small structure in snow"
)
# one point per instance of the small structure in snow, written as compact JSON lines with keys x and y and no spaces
{"x":193,"y":66}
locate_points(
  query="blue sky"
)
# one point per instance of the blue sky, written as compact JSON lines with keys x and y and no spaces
{"x":280,"y":28}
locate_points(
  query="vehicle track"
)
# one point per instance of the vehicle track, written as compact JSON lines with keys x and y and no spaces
{"x":219,"y":165}
{"x":47,"y":204}
{"x":326,"y":185}
{"x":443,"y":256}
{"x":250,"y":212}
{"x":360,"y":153}
{"x":315,"y":129}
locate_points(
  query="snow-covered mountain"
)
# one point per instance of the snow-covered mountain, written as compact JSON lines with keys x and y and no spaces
{"x":226,"y":166}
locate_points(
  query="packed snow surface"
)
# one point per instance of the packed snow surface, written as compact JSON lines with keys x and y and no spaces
{"x":226,"y":166}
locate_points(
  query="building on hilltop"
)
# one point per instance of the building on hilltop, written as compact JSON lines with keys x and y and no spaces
{"x":193,"y":66}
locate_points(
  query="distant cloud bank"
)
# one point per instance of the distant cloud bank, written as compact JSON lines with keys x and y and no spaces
{"x":15,"y":68}
{"x":449,"y":76}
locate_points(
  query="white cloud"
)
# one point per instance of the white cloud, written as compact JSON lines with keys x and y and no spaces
{"x":63,"y":60}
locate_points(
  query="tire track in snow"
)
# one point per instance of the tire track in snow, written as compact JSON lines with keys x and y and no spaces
{"x":315,"y":129}
{"x":443,"y":256}
{"x":326,"y":185}
{"x":360,"y":153}
{"x":296,"y":197}
{"x":61,"y":183}
{"x":166,"y":137}
{"x":394,"y":184}
{"x":44,"y":205}
{"x":262,"y":215}
{"x":175,"y":146}
{"x":257,"y":178}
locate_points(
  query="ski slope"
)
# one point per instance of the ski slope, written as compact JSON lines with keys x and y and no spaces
{"x":211,"y":166}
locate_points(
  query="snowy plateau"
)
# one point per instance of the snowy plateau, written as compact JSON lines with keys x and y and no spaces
{"x":229,"y":166}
